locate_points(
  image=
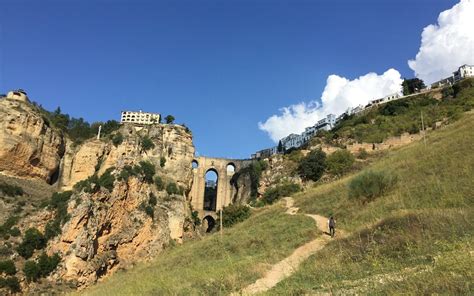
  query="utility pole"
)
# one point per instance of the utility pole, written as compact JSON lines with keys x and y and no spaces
{"x":423,"y":128}
{"x":98,"y":133}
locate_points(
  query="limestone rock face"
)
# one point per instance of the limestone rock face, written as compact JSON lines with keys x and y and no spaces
{"x":29,"y":147}
{"x":111,"y":229}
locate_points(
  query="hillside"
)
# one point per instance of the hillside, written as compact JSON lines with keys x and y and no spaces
{"x":416,"y":237}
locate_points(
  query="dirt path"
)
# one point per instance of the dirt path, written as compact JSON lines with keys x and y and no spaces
{"x":289,"y":265}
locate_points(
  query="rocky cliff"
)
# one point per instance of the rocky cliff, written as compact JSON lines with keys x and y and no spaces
{"x":29,"y":146}
{"x":105,"y":228}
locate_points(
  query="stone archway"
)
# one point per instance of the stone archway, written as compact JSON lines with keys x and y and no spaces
{"x":224,"y":169}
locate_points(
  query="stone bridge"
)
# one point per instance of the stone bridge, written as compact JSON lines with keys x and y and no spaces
{"x":224,"y":169}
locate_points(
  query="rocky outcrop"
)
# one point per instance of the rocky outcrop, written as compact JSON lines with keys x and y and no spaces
{"x":111,"y":229}
{"x":29,"y":146}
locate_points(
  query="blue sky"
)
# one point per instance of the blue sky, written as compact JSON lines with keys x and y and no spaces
{"x":220,"y":67}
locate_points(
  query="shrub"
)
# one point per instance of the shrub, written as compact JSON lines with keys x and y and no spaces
{"x":147,"y":144}
{"x":234,"y":214}
{"x":340,"y":162}
{"x":6,"y":228}
{"x":42,"y":267}
{"x":171,"y":188}
{"x":148,"y":171}
{"x":31,"y":271}
{"x":89,"y":185}
{"x":160,"y":185}
{"x":195,"y":218}
{"x":11,"y":283}
{"x":162,"y":161}
{"x":11,"y":190}
{"x":149,"y":211}
{"x":7,"y":267}
{"x":370,"y":184}
{"x":107,"y":179}
{"x":273,"y":194}
{"x":363,"y":154}
{"x":313,"y":165}
{"x":33,"y":240}
{"x":15,"y":231}
{"x":117,"y":139}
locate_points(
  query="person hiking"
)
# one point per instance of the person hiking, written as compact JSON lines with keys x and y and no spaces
{"x":332,"y":226}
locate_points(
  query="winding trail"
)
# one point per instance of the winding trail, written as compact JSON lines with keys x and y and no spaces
{"x":289,"y":265}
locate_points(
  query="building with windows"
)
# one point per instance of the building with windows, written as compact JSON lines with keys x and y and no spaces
{"x":464,"y":71}
{"x":139,"y":117}
{"x":385,"y":99}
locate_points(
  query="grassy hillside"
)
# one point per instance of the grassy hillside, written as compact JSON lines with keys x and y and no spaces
{"x":417,"y":238}
{"x":215,"y":266}
{"x":397,"y":117}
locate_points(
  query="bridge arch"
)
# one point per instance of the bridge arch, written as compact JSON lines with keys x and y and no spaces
{"x":225,"y":191}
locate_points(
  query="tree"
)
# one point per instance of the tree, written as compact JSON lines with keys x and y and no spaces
{"x":410,"y":86}
{"x":313,"y":165}
{"x":340,"y":162}
{"x":280,"y":147}
{"x":169,"y":119}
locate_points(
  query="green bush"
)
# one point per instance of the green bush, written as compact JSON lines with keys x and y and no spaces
{"x":45,"y":264}
{"x":147,"y":144}
{"x":11,"y":190}
{"x":363,"y":154}
{"x":148,"y":171}
{"x":11,"y":283}
{"x":273,"y":194}
{"x":107,"y":179}
{"x":33,"y":240}
{"x":89,"y":185}
{"x":6,"y":228}
{"x":313,"y":165}
{"x":160,"y":185}
{"x":15,"y":231}
{"x":171,"y":188}
{"x":162,"y":161}
{"x":234,"y":214}
{"x":31,"y":271}
{"x":59,"y":202}
{"x":117,"y":139}
{"x":369,"y":185}
{"x":340,"y":162}
{"x":7,"y":267}
{"x":195,"y":218}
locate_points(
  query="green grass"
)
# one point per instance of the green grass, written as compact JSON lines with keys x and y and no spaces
{"x":215,"y":266}
{"x":415,"y":239}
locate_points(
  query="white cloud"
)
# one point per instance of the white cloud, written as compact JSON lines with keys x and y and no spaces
{"x":338,"y":95}
{"x":446,"y":45}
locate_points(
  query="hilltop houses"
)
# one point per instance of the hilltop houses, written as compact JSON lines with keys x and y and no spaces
{"x":464,"y":71}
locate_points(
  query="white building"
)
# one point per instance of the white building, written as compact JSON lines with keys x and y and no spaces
{"x":326,"y":123}
{"x":464,"y":71}
{"x":385,"y":99}
{"x":139,"y":117}
{"x":292,"y":141}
